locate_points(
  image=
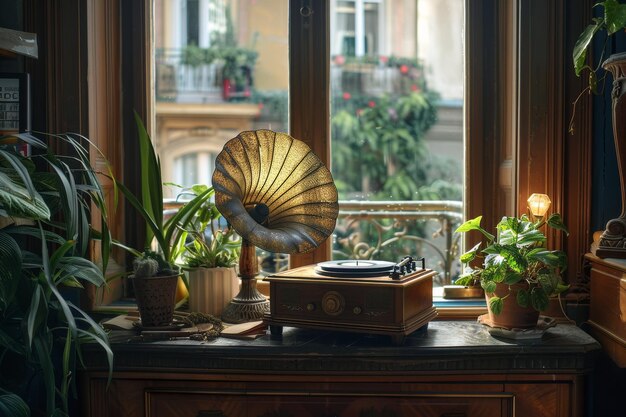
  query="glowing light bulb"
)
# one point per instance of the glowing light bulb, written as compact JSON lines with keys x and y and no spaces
{"x":539,"y":204}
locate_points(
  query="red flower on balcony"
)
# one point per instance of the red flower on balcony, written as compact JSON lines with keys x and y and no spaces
{"x":384,"y":59}
{"x":346,"y":96}
{"x":372,"y":104}
{"x":340,"y":60}
{"x":415,"y":88}
{"x":404,"y":69}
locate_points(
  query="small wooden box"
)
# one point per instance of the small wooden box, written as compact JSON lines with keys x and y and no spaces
{"x":301,"y":297}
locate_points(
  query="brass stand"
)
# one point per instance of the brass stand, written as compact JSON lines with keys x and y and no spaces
{"x":612,"y":242}
{"x":249,"y":304}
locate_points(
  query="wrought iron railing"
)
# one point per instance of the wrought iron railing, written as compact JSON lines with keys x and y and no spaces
{"x":191,"y":82}
{"x":388,"y":229}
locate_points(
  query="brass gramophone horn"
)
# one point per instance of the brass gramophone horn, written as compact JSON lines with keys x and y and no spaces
{"x":278,"y":195}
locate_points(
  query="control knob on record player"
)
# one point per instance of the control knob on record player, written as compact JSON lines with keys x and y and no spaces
{"x":333,"y":303}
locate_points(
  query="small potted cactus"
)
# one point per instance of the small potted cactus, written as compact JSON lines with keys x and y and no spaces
{"x":155,"y":282}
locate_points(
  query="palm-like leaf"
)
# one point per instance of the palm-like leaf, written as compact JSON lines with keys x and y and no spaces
{"x":10,"y":268}
{"x":18,"y":196}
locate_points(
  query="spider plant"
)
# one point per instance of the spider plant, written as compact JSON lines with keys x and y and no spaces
{"x":168,"y":234}
{"x":45,"y":200}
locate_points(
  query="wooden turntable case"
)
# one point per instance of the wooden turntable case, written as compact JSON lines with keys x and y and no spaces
{"x":302,"y":297}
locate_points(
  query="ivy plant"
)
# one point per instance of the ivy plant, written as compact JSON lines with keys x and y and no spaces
{"x":516,"y":254}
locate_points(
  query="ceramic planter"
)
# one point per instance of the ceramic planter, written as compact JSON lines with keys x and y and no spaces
{"x":210,"y":289}
{"x":156,"y":299}
{"x":512,"y":316}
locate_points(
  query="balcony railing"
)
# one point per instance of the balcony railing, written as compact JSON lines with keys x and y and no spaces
{"x":177,"y":81}
{"x":388,"y":230}
{"x":183,"y":78}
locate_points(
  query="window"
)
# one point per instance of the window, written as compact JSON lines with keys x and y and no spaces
{"x":397,"y":130}
{"x":356,"y":27}
{"x":499,"y":51}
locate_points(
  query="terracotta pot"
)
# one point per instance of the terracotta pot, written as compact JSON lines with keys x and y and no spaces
{"x":512,"y":316}
{"x":155,"y":299}
{"x":210,"y":289}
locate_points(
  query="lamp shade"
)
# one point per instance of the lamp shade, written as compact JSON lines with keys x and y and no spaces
{"x":539,"y":204}
{"x":275,"y":192}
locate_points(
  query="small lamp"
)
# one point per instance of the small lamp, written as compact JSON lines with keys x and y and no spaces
{"x":539,"y":204}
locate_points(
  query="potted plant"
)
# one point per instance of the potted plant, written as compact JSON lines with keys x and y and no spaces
{"x":612,"y":21}
{"x":612,"y":242}
{"x":517,"y":272}
{"x":209,"y":258}
{"x":166,"y":236}
{"x":237,"y":62}
{"x":46,"y":201}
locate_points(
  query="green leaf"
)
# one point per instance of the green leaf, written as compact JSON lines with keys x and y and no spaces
{"x":37,"y":314}
{"x":560,"y":288}
{"x":548,"y":282}
{"x":488,"y":286}
{"x":539,"y":299}
{"x":512,"y":278}
{"x":554,"y":259}
{"x":496,"y":304}
{"x":530,"y":237}
{"x":579,"y":54}
{"x":464,"y":280}
{"x":523,"y":297}
{"x":78,"y":268}
{"x":151,"y":183}
{"x":514,"y":259}
{"x":18,"y":196}
{"x":10,"y":268}
{"x":556,"y":222}
{"x":12,"y":405}
{"x":42,"y":353}
{"x":8,"y":342}
{"x":474,"y":224}
{"x":470,"y":255}
{"x":511,"y":223}
{"x":614,"y":16}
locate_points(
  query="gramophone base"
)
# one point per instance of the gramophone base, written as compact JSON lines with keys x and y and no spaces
{"x":243,"y":311}
{"x":248,"y":305}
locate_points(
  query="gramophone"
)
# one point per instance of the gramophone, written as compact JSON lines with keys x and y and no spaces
{"x":278,"y":195}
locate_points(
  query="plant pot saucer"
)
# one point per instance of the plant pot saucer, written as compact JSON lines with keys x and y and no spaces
{"x":174,"y":325}
{"x":537,"y":332}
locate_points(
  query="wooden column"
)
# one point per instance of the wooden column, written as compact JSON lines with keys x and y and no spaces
{"x":309,"y":66}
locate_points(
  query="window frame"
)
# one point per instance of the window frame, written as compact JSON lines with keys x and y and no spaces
{"x":516,"y":44}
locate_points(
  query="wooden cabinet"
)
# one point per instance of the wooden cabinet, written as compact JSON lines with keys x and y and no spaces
{"x":453,"y":369}
{"x":178,"y":395}
{"x":607,"y":314}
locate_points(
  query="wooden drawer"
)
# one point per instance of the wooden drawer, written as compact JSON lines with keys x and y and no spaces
{"x":228,"y":404}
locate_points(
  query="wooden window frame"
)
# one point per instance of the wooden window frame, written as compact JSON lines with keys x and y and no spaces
{"x":519,"y":86}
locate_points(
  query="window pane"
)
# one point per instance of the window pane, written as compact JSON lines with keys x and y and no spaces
{"x":397,"y":131}
{"x":221,"y":68}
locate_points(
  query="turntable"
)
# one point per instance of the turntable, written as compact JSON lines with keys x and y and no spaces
{"x":354,"y":295}
{"x":279,"y":196}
